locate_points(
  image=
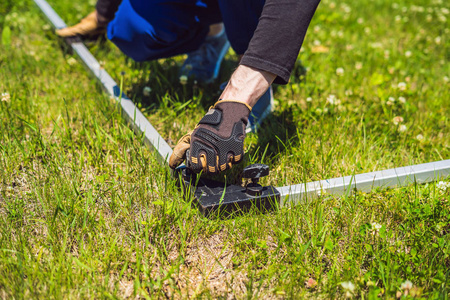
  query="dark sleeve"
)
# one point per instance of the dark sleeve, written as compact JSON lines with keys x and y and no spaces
{"x":107,"y":8}
{"x":279,"y":35}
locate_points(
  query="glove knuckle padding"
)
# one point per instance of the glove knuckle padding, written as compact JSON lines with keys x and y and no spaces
{"x":219,"y":136}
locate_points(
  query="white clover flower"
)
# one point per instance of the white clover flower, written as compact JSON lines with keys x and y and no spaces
{"x":146,"y":91}
{"x":429,"y":18}
{"x":419,"y":137}
{"x":332,"y":5}
{"x":339,"y":71}
{"x":6,"y":97}
{"x":394,"y":5}
{"x":445,"y":11}
{"x":402,"y":100}
{"x":376,"y":226}
{"x":331,"y":99}
{"x":360,"y":20}
{"x":437,"y":40}
{"x":183,"y":79}
{"x":401,"y":86}
{"x":397,"y":120}
{"x":443,"y":186}
{"x":358,"y":65}
{"x":348,"y":286}
{"x":406,"y":285}
{"x":408,"y":53}
{"x":316,"y":43}
{"x":402,"y":128}
{"x":71,"y":61}
{"x":46,"y":27}
{"x":346,"y":8}
{"x":390,"y":101}
{"x":309,"y":99}
{"x":376,"y":45}
{"x":349,"y":47}
{"x":367,"y":30}
{"x":316,"y":28}
{"x":398,"y":18}
{"x":442,"y":18}
{"x":348,"y":92}
{"x":446,"y":79}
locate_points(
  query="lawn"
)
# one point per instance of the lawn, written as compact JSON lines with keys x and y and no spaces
{"x":86,"y":210}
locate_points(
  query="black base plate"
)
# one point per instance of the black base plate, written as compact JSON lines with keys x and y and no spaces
{"x":217,"y":198}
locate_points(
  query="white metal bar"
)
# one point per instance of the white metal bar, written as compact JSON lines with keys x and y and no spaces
{"x":366,"y":182}
{"x":133,"y":115}
{"x":48,"y":11}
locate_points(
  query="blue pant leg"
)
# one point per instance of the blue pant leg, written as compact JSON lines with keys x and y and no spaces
{"x":147,"y":30}
{"x":241,"y":19}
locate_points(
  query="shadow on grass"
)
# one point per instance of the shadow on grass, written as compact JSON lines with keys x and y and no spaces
{"x":277,"y":132}
{"x":163,"y":77}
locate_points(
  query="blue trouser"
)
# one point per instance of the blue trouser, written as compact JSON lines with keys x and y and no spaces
{"x":152,"y":29}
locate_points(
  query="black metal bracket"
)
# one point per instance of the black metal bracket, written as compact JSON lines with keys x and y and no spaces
{"x":218,"y":198}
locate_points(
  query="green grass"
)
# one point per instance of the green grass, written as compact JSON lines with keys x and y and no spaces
{"x":86,"y":211}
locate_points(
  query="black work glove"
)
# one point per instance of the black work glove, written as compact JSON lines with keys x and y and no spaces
{"x":217,"y":142}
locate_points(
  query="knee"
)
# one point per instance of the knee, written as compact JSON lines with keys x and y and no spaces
{"x":140,"y":37}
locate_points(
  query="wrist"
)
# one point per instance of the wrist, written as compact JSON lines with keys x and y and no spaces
{"x":247,"y":85}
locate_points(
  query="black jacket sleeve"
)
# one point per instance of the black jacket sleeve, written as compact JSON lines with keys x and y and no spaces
{"x":107,"y":8}
{"x":279,"y":35}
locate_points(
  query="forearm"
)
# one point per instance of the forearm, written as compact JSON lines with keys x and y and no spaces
{"x":281,"y":30}
{"x":247,"y":85}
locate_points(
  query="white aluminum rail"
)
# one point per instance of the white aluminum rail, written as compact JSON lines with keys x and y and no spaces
{"x":289,"y":194}
{"x":366,"y":182}
{"x":133,"y":115}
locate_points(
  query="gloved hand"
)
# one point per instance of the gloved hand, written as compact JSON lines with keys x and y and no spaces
{"x":217,"y":142}
{"x":89,"y":26}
